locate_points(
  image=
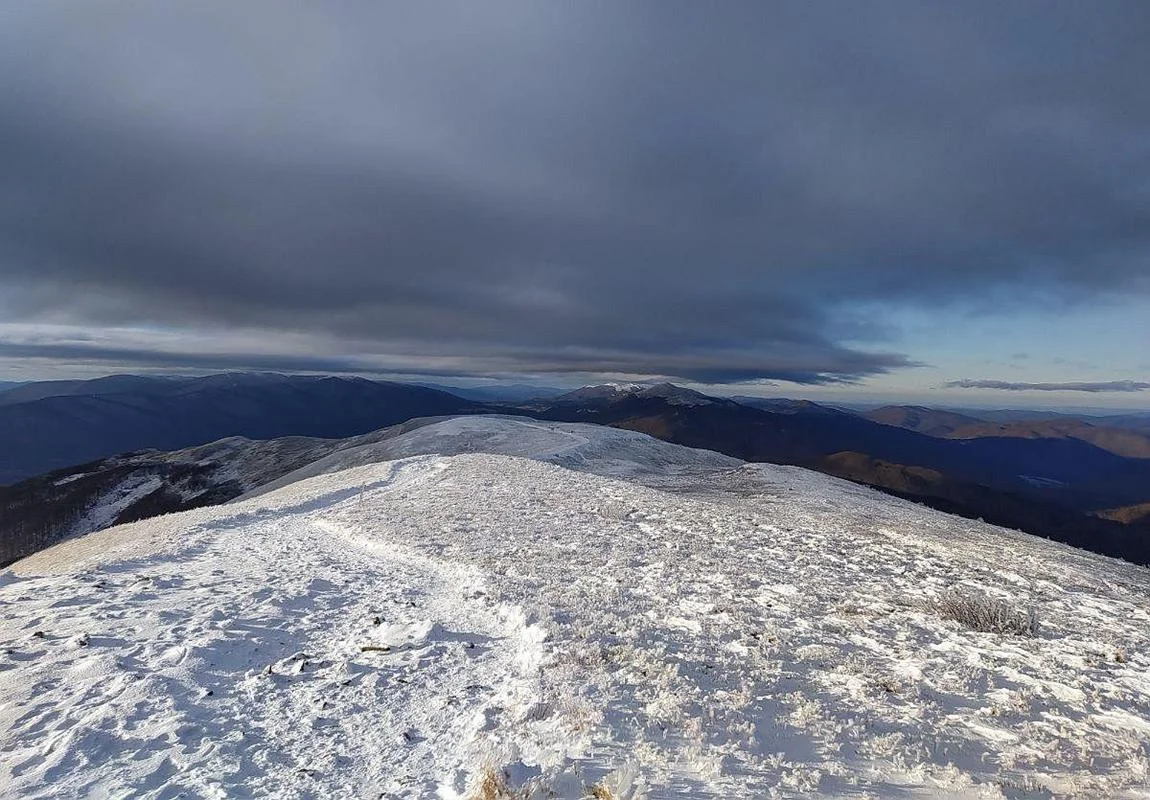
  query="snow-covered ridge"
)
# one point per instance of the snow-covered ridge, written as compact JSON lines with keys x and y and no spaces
{"x":143,"y":484}
{"x":670,"y":628}
{"x":586,"y":448}
{"x":613,"y":392}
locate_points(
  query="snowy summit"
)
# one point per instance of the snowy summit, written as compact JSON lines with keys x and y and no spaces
{"x":506,"y":608}
{"x":614,"y":392}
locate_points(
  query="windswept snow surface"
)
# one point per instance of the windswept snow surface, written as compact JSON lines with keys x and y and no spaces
{"x":674,"y":630}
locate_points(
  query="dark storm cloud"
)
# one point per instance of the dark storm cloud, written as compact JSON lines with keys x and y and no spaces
{"x":835,"y":366}
{"x":1072,"y":386}
{"x":139,"y":357}
{"x":642,"y":188}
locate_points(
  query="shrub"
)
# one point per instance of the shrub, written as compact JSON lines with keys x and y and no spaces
{"x":981,"y":612}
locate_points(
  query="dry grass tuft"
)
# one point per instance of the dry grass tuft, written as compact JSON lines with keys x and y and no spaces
{"x":982,"y":612}
{"x":497,"y":784}
{"x":493,"y":786}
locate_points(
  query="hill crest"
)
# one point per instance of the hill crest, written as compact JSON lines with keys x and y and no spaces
{"x":413,"y":627}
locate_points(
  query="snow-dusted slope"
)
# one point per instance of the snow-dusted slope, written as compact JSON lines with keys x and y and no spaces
{"x":586,"y":448}
{"x":134,"y":486}
{"x":407,"y":629}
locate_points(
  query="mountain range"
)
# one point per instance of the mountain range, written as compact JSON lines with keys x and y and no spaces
{"x":49,"y":425}
{"x":1120,"y":435}
{"x":500,"y":392}
{"x":1075,"y":481}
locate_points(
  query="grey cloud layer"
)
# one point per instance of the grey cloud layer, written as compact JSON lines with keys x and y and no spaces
{"x":646,"y":188}
{"x":1071,"y":386}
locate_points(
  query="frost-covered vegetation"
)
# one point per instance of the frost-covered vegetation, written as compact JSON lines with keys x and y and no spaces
{"x":981,"y":612}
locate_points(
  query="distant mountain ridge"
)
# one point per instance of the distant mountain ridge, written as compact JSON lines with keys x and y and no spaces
{"x":67,"y":423}
{"x":783,"y":405}
{"x":111,"y":384}
{"x":499,"y":392}
{"x":931,"y":421}
{"x":1123,"y":441}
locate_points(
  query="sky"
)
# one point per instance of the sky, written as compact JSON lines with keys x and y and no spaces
{"x":893,"y":201}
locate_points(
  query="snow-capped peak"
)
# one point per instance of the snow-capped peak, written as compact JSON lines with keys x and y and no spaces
{"x":611,"y":392}
{"x":598,"y":391}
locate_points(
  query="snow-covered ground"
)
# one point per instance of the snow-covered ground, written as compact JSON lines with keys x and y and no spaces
{"x":117,"y":498}
{"x":635,"y":618}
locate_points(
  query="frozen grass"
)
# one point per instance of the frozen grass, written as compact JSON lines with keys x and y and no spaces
{"x":981,"y":612}
{"x":498,"y":784}
{"x":494,"y":785}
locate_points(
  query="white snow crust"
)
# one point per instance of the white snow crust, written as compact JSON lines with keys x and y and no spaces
{"x":598,"y":609}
